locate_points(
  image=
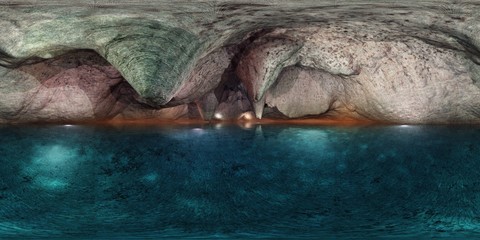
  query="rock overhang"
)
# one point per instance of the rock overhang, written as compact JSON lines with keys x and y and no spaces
{"x":409,"y":61}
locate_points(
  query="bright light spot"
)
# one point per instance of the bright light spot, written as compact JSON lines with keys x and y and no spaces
{"x":68,"y":125}
{"x":218,"y":116}
{"x":198,"y":131}
{"x":310,"y":142}
{"x":52,"y":166}
{"x":247,"y":116}
{"x":151,"y":177}
{"x":56,"y":154}
{"x":9,"y":226}
{"x":404,"y":126}
{"x":50,"y":183}
{"x":246,"y":125}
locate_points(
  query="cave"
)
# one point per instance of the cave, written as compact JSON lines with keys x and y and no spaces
{"x":239,"y":119}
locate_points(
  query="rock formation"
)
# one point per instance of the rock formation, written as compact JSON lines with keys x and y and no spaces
{"x":390,"y":61}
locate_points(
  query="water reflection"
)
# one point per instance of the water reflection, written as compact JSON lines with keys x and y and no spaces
{"x":271,"y":181}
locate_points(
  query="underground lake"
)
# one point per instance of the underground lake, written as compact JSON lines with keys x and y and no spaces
{"x":224,"y":181}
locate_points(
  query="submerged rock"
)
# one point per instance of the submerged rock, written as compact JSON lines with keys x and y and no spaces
{"x":408,"y":62}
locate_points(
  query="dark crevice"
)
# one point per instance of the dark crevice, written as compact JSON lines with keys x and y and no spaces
{"x":472,"y":51}
{"x":437,"y":43}
{"x":230,"y":90}
{"x":273,"y":112}
{"x":230,"y":80}
{"x":9,"y":61}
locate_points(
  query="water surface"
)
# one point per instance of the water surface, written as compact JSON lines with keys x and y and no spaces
{"x":227,"y":182}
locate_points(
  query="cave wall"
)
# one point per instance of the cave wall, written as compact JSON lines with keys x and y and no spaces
{"x":402,"y":62}
{"x":77,"y":86}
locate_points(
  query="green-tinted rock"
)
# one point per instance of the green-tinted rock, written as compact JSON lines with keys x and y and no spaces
{"x":154,"y":58}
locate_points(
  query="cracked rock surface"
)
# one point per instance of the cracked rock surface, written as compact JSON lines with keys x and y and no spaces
{"x":391,"y":61}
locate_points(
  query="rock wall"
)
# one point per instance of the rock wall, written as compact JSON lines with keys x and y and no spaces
{"x":408,"y":62}
{"x":77,"y":86}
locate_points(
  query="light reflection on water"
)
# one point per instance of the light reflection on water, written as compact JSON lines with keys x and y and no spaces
{"x":268,"y":181}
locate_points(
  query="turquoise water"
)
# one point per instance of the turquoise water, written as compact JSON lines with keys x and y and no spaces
{"x":366,"y":182}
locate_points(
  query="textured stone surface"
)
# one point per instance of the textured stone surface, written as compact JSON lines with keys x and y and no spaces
{"x":399,"y":81}
{"x":408,"y":61}
{"x":77,"y":86}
